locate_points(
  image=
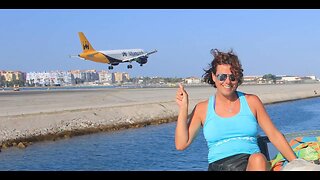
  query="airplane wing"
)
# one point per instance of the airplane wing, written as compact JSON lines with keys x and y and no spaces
{"x":141,"y":55}
{"x":154,"y":51}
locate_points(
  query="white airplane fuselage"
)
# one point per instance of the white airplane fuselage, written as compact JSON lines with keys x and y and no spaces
{"x":112,"y":57}
{"x":123,"y":54}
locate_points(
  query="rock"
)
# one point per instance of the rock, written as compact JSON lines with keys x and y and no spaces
{"x":21,"y":145}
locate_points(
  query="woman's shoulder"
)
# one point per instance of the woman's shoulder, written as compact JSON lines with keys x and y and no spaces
{"x":201,"y":109}
{"x":202,"y":104}
{"x":252,"y":98}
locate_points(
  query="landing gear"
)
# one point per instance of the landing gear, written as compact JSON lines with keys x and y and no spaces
{"x":129,"y":66}
{"x":110,"y":67}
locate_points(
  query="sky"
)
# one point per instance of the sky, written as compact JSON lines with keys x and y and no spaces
{"x":267,"y":41}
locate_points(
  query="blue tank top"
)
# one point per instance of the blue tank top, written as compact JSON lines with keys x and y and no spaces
{"x":232,"y":135}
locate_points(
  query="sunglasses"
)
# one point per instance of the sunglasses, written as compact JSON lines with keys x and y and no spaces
{"x":223,"y":77}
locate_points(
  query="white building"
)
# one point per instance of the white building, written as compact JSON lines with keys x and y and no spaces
{"x":291,"y":78}
{"x":52,"y":78}
{"x":192,"y":80}
{"x":105,"y":77}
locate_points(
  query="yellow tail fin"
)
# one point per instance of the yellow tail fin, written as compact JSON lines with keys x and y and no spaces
{"x":86,"y":46}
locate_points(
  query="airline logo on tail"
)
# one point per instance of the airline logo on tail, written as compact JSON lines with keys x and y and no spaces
{"x":85,"y":46}
{"x":112,"y":57}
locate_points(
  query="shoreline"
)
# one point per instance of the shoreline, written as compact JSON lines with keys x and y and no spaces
{"x":31,"y":117}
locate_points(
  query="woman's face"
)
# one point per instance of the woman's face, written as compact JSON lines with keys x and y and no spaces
{"x":225,"y":81}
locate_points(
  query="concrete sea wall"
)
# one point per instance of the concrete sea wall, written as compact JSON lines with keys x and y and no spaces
{"x":49,"y":115}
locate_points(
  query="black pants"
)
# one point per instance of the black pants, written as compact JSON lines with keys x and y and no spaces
{"x":236,"y":162}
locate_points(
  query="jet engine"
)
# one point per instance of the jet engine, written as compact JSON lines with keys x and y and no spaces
{"x":142,"y":60}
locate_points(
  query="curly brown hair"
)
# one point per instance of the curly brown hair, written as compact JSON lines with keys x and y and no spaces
{"x":223,"y":58}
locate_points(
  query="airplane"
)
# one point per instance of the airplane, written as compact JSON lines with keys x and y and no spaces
{"x":112,"y":57}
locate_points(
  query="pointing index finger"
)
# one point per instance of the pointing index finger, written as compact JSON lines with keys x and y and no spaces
{"x":181,"y":86}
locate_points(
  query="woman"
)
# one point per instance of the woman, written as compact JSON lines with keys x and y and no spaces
{"x":229,"y":119}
